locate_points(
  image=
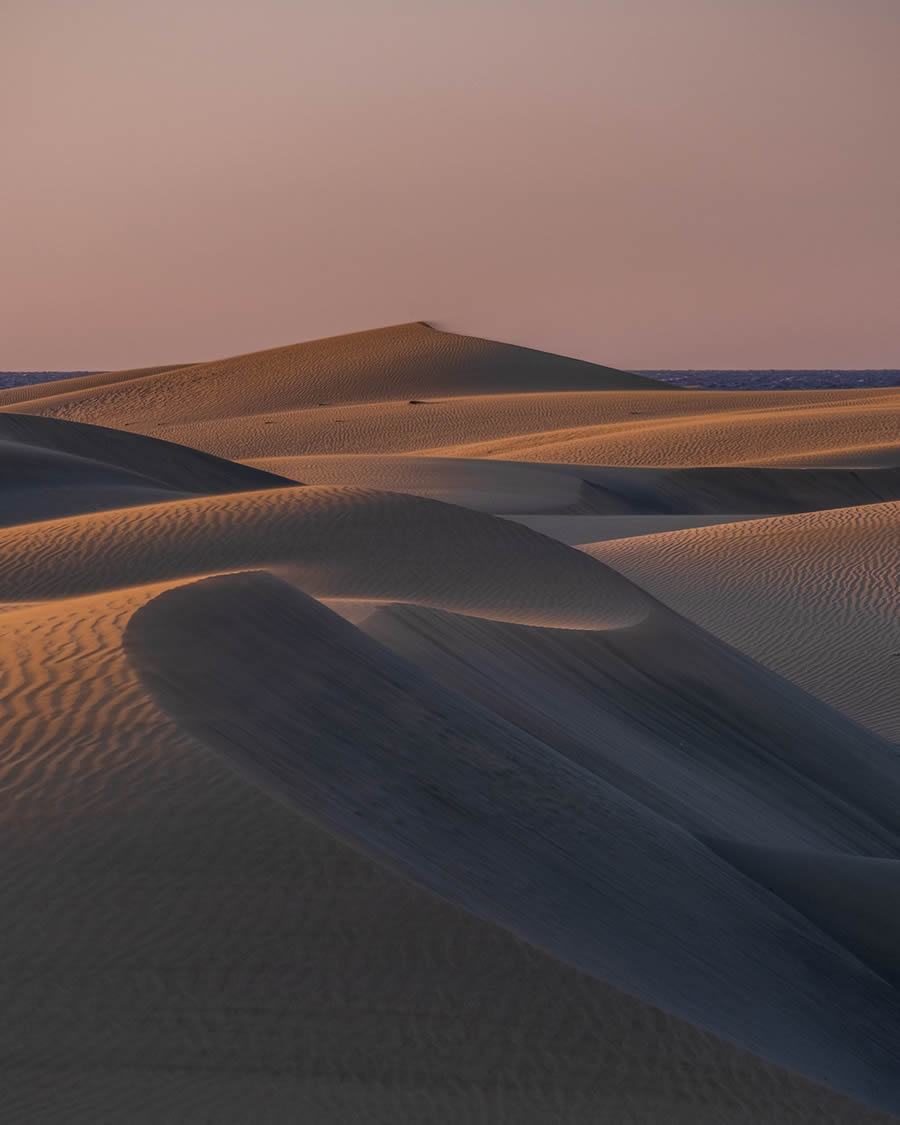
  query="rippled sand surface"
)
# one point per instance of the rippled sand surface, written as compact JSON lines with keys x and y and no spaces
{"x":404,"y":727}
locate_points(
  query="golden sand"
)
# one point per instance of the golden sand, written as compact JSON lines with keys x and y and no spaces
{"x":581,"y":807}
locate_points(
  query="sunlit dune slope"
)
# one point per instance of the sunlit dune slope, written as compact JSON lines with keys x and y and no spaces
{"x":813,"y":596}
{"x":412,"y":388}
{"x":643,"y":428}
{"x":34,"y":391}
{"x":184,"y":948}
{"x":337,"y":543}
{"x":520,"y":834}
{"x":401,"y":362}
{"x":857,"y":428}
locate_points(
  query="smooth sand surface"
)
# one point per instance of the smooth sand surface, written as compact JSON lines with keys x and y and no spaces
{"x":527,"y":487}
{"x":521,"y":833}
{"x":50,"y":468}
{"x":587,"y":530}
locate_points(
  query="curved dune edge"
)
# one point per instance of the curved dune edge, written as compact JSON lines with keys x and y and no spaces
{"x":142,"y":873}
{"x":161,"y":463}
{"x":811,"y":595}
{"x":337,"y":543}
{"x":486,"y":486}
{"x":674,"y":718}
{"x":456,"y":798}
{"x":854,"y":898}
{"x":544,"y":488}
{"x":50,"y":469}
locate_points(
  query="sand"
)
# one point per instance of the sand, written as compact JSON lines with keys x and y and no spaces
{"x":813,"y":596}
{"x":371,"y":798}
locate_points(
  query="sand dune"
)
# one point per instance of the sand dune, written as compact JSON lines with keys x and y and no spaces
{"x":501,"y":823}
{"x":486,"y":486}
{"x":407,"y":361}
{"x":674,"y":718}
{"x":50,"y":468}
{"x":702,"y":428}
{"x":666,"y":874}
{"x":579,"y":530}
{"x":33,"y":391}
{"x":337,"y":543}
{"x":855,"y":898}
{"x":719,"y":428}
{"x":813,"y":596}
{"x":412,"y":388}
{"x":178,"y":947}
{"x":517,"y":488}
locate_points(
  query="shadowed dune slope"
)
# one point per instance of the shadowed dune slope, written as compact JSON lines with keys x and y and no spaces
{"x":580,"y":530}
{"x":50,"y":468}
{"x":511,"y":487}
{"x":337,"y":543}
{"x":451,"y":795}
{"x":675,"y":718}
{"x":855,"y":898}
{"x":180,"y":948}
{"x":487,"y":486}
{"x":813,"y":596}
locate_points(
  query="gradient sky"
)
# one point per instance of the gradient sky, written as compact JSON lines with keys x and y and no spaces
{"x":645,"y":183}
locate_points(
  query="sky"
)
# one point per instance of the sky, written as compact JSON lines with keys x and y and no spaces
{"x":643,"y":183}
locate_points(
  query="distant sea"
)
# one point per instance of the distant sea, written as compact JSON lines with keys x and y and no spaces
{"x":22,"y":378}
{"x":776,"y":380}
{"x":708,"y":380}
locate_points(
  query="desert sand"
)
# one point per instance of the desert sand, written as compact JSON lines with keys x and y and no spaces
{"x":405,"y":727}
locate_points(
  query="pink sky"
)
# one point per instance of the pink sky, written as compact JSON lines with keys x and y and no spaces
{"x":645,"y":183}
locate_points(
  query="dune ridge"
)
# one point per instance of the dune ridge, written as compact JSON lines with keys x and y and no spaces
{"x":411,"y":388}
{"x":338,"y":543}
{"x":546,"y":488}
{"x":499,"y":822}
{"x":50,"y":468}
{"x":177,"y":946}
{"x":533,"y":834}
{"x":363,"y":367}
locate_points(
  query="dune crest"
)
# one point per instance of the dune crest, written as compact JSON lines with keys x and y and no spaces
{"x":338,"y":786}
{"x":338,"y":543}
{"x":455,"y":798}
{"x":50,"y":468}
{"x":149,"y":885}
{"x":410,"y":388}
